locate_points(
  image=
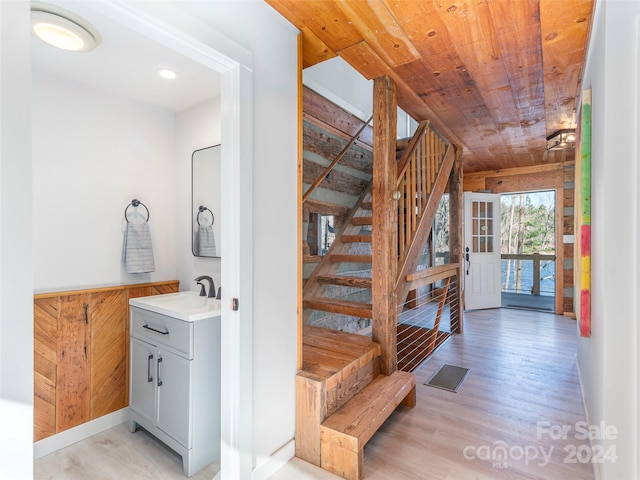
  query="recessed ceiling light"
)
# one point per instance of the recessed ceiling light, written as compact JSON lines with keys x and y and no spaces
{"x":62,"y":29}
{"x":166,"y":73}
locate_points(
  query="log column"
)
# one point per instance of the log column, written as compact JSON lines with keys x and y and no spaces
{"x":456,"y":240}
{"x":385,"y":224}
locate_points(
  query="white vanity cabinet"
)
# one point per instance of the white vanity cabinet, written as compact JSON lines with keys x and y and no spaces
{"x":174,"y":384}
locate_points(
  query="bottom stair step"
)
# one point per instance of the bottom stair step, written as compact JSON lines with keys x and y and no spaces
{"x":344,"y":434}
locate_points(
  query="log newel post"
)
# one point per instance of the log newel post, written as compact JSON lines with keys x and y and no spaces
{"x":455,"y":233}
{"x":384,"y":222}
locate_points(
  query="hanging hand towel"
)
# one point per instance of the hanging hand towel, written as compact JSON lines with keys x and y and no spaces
{"x":206,"y":241}
{"x":137,"y":251}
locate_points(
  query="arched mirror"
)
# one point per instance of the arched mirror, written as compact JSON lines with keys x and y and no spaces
{"x":205,"y":202}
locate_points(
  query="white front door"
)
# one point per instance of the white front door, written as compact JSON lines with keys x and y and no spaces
{"x":481,"y":251}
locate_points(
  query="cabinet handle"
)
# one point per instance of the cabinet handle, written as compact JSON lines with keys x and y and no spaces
{"x":154,"y":330}
{"x":149,"y":377}
{"x":86,"y":313}
{"x":158,"y":372}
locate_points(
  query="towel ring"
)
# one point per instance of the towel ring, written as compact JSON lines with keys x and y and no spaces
{"x":136,"y":203}
{"x":202,"y":209}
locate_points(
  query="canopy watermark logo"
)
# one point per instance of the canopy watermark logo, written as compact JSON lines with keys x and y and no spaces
{"x":581,"y":446}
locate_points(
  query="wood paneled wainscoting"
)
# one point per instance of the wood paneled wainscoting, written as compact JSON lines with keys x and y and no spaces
{"x":81,"y":354}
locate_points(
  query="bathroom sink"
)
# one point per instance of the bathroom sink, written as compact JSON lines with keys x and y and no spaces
{"x":189,"y":306}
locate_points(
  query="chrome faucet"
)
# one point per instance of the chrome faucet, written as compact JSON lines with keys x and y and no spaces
{"x":212,"y":287}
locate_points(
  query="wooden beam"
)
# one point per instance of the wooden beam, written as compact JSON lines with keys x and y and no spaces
{"x":456,"y":237}
{"x":384,"y":229}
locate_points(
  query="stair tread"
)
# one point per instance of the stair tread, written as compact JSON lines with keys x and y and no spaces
{"x":361,"y":416}
{"x":346,"y":238}
{"x":334,"y":305}
{"x":367,"y":220}
{"x":350,"y":258}
{"x":345,"y":281}
{"x":331,"y":355}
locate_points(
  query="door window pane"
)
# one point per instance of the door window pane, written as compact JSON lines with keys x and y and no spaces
{"x":482,"y":226}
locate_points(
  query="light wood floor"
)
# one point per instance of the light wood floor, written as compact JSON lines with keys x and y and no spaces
{"x":522,"y":371}
{"x":116,"y":454}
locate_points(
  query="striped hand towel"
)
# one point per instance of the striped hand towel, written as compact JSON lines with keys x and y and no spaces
{"x":206,"y":241}
{"x":137,"y":251}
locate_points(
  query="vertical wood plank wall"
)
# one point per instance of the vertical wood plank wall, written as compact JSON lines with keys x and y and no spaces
{"x":81,"y":354}
{"x":553,"y":176}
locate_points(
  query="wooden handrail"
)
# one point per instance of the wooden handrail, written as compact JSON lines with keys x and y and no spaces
{"x":431,"y":275}
{"x":327,"y":170}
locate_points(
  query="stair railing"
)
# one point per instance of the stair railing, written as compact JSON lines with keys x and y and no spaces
{"x":342,"y":153}
{"x":417,"y":171}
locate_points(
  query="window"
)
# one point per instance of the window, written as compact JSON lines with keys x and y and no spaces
{"x":321,"y":233}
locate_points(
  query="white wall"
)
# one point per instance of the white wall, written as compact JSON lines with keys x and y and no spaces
{"x":608,"y":360}
{"x":273,"y":43}
{"x":196,"y":128}
{"x":92,"y":154}
{"x":16,"y":302}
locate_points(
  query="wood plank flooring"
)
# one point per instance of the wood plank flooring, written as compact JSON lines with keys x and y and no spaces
{"x":116,"y":454}
{"x":522,"y":371}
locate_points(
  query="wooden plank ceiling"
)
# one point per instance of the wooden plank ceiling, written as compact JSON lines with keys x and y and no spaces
{"x":494,"y":76}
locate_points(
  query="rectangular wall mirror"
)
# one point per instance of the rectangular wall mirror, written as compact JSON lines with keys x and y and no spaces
{"x":205,"y":202}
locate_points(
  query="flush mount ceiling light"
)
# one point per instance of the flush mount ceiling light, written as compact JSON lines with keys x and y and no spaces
{"x":62,"y":29}
{"x":166,"y":73}
{"x":562,"y":139}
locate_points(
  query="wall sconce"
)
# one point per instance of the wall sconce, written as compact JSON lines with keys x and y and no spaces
{"x":562,"y":139}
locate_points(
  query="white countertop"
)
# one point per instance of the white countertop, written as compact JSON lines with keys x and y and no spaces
{"x":188,"y":306}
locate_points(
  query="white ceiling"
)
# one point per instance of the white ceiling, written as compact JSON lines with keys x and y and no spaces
{"x":125,"y":64}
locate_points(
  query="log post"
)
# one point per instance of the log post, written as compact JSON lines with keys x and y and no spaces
{"x":455,"y":233}
{"x":385,"y":224}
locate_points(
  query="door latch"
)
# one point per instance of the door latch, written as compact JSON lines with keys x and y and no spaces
{"x":235,"y":304}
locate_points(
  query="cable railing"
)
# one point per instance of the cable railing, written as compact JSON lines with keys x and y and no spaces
{"x":429,"y":318}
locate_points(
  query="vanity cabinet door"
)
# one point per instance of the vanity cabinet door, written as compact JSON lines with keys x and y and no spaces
{"x":174,"y":374}
{"x":143,"y":379}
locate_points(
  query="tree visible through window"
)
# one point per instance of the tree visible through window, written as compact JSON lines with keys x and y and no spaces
{"x":528,"y":227}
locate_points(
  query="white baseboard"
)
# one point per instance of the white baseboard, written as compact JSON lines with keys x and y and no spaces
{"x":276,"y":461}
{"x":69,"y":437}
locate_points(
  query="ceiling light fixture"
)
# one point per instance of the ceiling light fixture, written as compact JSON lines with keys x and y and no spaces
{"x":562,"y":139}
{"x":166,"y":73}
{"x":63,"y":29}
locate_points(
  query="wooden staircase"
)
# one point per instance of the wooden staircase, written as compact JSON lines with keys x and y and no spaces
{"x":341,"y":396}
{"x":347,"y":264}
{"x":342,"y":400}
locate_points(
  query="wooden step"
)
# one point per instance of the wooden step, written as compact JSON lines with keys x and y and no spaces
{"x":336,"y":366}
{"x":367,"y":205}
{"x":334,"y":305}
{"x":356,"y":238}
{"x":347,"y":258}
{"x":345,"y":281}
{"x":344,"y":434}
{"x":362,"y":220}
